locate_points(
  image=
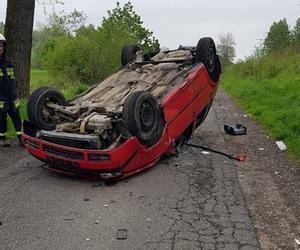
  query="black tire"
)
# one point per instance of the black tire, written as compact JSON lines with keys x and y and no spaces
{"x":36,"y":105}
{"x":206,"y":53}
{"x":128,"y":53}
{"x":143,"y":117}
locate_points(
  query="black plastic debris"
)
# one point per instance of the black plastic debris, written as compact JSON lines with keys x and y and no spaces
{"x":239,"y":129}
{"x":122,"y":234}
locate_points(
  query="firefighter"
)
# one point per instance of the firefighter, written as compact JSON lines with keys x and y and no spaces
{"x":9,"y":102}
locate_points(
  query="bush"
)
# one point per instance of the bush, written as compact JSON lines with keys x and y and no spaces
{"x":90,"y":54}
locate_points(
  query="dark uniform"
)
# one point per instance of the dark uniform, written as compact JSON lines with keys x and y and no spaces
{"x":9,"y":102}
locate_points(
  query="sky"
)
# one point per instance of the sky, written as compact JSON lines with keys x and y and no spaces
{"x":184,"y":22}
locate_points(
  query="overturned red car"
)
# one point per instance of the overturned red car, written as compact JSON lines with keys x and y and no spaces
{"x":127,"y":122}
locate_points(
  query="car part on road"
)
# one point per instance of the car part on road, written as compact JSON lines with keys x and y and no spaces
{"x":239,"y":157}
{"x":239,"y":129}
{"x":281,"y":145}
{"x":122,"y":234}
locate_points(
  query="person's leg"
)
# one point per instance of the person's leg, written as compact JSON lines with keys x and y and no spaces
{"x":16,"y":119}
{"x":3,"y":128}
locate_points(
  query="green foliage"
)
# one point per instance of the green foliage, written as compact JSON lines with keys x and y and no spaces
{"x":278,"y":37}
{"x":39,"y":78}
{"x":132,"y":23}
{"x":1,"y":27}
{"x":46,"y":37}
{"x":225,"y":48}
{"x":73,"y":90}
{"x":296,"y":33}
{"x":90,"y":54}
{"x":268,"y":88}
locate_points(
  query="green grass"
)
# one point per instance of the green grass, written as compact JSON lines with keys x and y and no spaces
{"x":269,"y":90}
{"x":39,"y":78}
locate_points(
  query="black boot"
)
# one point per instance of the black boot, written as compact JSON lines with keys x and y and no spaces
{"x":4,"y":142}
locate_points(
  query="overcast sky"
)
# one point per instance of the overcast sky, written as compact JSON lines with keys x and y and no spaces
{"x":177,"y":22}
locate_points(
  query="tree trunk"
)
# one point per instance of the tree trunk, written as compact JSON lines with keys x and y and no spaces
{"x":18,"y":32}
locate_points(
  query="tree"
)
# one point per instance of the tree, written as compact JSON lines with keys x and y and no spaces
{"x":296,"y":32}
{"x":226,"y":49}
{"x":127,"y":17}
{"x":278,"y":37}
{"x":18,"y":32}
{"x":93,"y":53}
{"x":58,"y":25}
{"x":1,"y":27}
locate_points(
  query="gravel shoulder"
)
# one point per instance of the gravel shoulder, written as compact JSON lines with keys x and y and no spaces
{"x":269,"y":181}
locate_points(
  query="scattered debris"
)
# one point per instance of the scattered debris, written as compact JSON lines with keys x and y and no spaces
{"x":0,"y":223}
{"x":86,"y":199}
{"x":239,"y":157}
{"x":276,"y":172}
{"x":122,"y":234}
{"x":88,"y":239}
{"x":297,"y":242}
{"x":67,"y":219}
{"x":148,"y":219}
{"x":205,"y":152}
{"x":239,"y":129}
{"x":261,"y":149}
{"x":245,"y":115}
{"x":105,"y":205}
{"x":281,"y":145}
{"x":97,"y":222}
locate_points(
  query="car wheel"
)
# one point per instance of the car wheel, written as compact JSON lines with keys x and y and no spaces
{"x":128,"y":53}
{"x":143,"y":117}
{"x":37,"y":111}
{"x":206,"y":53}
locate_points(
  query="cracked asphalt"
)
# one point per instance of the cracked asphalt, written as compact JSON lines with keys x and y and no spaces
{"x":193,"y":201}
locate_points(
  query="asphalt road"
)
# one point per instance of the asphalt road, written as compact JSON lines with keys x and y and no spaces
{"x":190,"y":202}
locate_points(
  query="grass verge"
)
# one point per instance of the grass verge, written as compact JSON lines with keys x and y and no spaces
{"x":269,"y":90}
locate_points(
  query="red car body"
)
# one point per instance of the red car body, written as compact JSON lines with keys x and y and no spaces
{"x":181,"y":107}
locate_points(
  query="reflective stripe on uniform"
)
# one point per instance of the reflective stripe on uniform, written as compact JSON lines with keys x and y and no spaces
{"x":10,"y":72}
{"x":2,"y":105}
{"x":17,"y":103}
{"x":19,"y":132}
{"x":2,"y":134}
